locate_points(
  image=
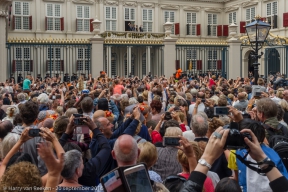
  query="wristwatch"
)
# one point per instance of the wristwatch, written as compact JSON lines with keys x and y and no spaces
{"x":204,"y":163}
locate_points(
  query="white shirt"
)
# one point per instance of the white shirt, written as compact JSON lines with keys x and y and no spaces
{"x":201,"y":107}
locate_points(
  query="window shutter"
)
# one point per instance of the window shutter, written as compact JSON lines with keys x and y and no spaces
{"x":31,"y":65}
{"x":219,"y":64}
{"x":30,"y":22}
{"x":62,"y":23}
{"x":76,"y":24}
{"x":13,"y":22}
{"x":13,"y":66}
{"x":242,"y":27}
{"x":285,"y":19}
{"x":177,"y":28}
{"x":177,"y":64}
{"x":91,"y":25}
{"x":46,"y":24}
{"x":61,"y":65}
{"x":199,"y":65}
{"x":225,"y":31}
{"x":198,"y":29}
{"x":219,"y":30}
{"x":275,"y":22}
{"x":187,"y":29}
{"x":208,"y":30}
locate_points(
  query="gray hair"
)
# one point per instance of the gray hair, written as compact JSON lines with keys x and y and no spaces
{"x":8,"y":142}
{"x":72,"y":162}
{"x":21,"y":97}
{"x":194,"y":92}
{"x":132,"y":155}
{"x":199,"y":125}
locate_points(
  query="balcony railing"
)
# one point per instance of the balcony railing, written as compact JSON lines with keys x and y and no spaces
{"x":132,"y":35}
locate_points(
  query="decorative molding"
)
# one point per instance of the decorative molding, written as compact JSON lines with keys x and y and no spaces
{"x":147,"y":5}
{"x":56,"y":1}
{"x":249,"y":3}
{"x":191,"y":8}
{"x":130,"y":4}
{"x":3,"y":13}
{"x":170,"y":6}
{"x":111,"y":3}
{"x":90,"y":2}
{"x":228,"y":9}
{"x":213,"y":9}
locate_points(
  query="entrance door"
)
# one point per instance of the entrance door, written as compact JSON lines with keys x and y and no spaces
{"x":273,"y":61}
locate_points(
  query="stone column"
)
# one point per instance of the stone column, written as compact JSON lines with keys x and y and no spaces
{"x":169,"y":56}
{"x":128,"y":60}
{"x":5,"y":66}
{"x":148,"y":60}
{"x":155,"y":19}
{"x":108,"y":48}
{"x":234,"y":68}
{"x":120,"y":20}
{"x":68,"y":15}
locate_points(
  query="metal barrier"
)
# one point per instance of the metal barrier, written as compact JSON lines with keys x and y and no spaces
{"x":276,"y":60}
{"x":200,"y":59}
{"x":43,"y":58}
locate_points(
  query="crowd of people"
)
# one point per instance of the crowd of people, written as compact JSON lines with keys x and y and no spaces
{"x":65,"y":135}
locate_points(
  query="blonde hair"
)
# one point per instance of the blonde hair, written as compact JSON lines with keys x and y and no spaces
{"x":70,"y":112}
{"x":283,"y":104}
{"x":81,"y":84}
{"x":173,"y":132}
{"x":148,"y":154}
{"x":182,"y":158}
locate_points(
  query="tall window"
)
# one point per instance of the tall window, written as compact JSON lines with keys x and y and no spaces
{"x":250,"y":14}
{"x":55,"y":55}
{"x":212,"y":60}
{"x":83,"y":59}
{"x":191,"y":23}
{"x":212,"y":24}
{"x":232,"y":18}
{"x":272,"y":11}
{"x":22,"y":59}
{"x":191,"y":55}
{"x":83,"y":18}
{"x":147,"y":20}
{"x":171,"y":15}
{"x":111,"y":18}
{"x":272,"y":8}
{"x":53,"y":17}
{"x":21,"y":14}
{"x":129,"y":14}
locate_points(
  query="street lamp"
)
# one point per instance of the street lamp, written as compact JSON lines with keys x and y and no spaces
{"x":257,"y":32}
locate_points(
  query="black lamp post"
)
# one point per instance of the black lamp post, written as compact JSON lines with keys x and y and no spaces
{"x":257,"y":32}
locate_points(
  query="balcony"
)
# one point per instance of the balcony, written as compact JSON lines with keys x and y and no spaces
{"x":132,"y":38}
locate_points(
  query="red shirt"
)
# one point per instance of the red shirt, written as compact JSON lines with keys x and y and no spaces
{"x":208,"y":185}
{"x":156,"y":137}
{"x":211,"y":82}
{"x":118,"y":89}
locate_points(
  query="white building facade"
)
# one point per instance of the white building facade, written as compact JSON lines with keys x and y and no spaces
{"x":57,"y":36}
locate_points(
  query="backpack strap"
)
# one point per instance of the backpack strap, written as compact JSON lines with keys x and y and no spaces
{"x":283,"y":129}
{"x":139,"y":139}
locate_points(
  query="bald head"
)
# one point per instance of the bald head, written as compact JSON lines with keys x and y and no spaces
{"x":125,"y":150}
{"x":201,"y":95}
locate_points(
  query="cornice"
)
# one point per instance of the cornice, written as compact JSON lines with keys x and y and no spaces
{"x":191,"y":8}
{"x":111,"y":3}
{"x":148,"y":5}
{"x":90,"y":2}
{"x":130,"y":4}
{"x":56,"y":1}
{"x":249,"y":3}
{"x":175,"y":7}
{"x":233,"y":8}
{"x":213,"y":9}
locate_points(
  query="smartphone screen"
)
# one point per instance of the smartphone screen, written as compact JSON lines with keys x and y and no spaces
{"x":171,"y":141}
{"x":221,"y":111}
{"x":138,"y":179}
{"x":82,"y":130}
{"x":112,"y":182}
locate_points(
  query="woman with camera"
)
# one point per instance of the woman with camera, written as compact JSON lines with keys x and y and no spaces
{"x":215,"y":148}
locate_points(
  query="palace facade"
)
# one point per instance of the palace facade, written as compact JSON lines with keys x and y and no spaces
{"x":137,"y":37}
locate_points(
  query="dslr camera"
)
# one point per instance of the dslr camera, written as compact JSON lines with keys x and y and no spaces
{"x":235,"y":139}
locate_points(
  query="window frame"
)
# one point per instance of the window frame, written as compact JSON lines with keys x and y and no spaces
{"x":213,"y":28}
{"x":234,"y":15}
{"x":111,"y":20}
{"x":192,"y":26}
{"x":250,"y":18}
{"x":146,"y":22}
{"x":213,"y":60}
{"x":85,"y":60}
{"x":22,"y":60}
{"x":130,"y":19}
{"x":272,"y":8}
{"x":174,"y":12}
{"x":21,"y":16}
{"x":83,"y":19}
{"x":53,"y":17}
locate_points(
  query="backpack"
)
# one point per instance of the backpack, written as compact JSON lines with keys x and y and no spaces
{"x":279,"y":142}
{"x":174,"y":182}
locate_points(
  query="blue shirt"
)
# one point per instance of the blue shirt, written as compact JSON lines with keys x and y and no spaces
{"x":26,"y":84}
